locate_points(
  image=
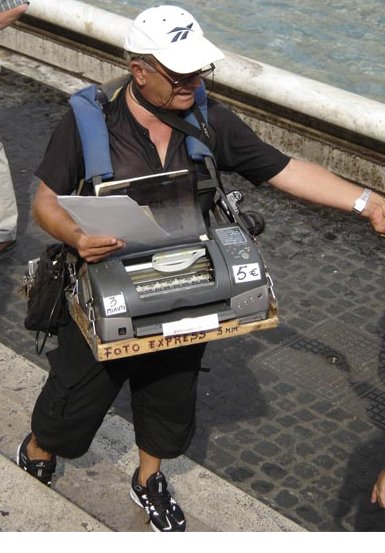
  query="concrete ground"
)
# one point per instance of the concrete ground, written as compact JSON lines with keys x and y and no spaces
{"x":92,"y":493}
{"x":293,"y":417}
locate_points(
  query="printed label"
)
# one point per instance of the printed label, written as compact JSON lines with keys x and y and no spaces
{"x":247,"y":273}
{"x":189,"y":325}
{"x":114,"y":305}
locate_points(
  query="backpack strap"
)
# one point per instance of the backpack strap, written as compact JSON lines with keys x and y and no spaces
{"x":198,"y":117}
{"x":90,"y":121}
{"x":111,"y":89}
{"x":90,"y":106}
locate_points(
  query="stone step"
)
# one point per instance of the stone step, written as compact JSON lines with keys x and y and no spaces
{"x":29,"y":506}
{"x":98,"y":483}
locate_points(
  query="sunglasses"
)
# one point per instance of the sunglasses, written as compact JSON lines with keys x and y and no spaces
{"x":182,"y":80}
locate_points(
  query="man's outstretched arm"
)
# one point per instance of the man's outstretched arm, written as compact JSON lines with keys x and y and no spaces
{"x":312,"y":182}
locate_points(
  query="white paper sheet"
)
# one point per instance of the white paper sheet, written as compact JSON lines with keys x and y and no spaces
{"x":118,"y":216}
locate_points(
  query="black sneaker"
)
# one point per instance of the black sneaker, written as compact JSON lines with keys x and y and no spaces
{"x":164,"y":513}
{"x":42,"y":470}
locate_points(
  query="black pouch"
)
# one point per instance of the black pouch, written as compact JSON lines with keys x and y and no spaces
{"x":45,"y":291}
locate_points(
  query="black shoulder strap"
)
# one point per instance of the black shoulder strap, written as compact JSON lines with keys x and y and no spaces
{"x":174,"y":121}
{"x":184,"y":126}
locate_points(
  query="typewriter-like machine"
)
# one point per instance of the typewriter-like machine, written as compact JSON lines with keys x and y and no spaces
{"x":196,"y":278}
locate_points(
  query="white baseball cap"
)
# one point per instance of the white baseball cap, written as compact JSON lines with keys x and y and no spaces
{"x":174,"y":37}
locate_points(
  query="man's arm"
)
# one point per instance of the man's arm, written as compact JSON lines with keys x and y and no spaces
{"x":8,"y":17}
{"x":57,"y":222}
{"x":312,"y":182}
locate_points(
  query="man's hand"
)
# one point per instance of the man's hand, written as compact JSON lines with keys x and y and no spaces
{"x":57,"y":222}
{"x":375,"y":212}
{"x":8,"y":17}
{"x":378,"y":492}
{"x":95,"y":248}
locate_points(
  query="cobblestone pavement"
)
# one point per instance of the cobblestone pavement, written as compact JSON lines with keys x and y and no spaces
{"x":294,"y":416}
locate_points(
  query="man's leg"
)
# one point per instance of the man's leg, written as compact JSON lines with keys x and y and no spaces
{"x":149,"y":465}
{"x":163,"y":389}
{"x":34,"y":451}
{"x":71,"y":406}
{"x":163,"y":396}
{"x":8,"y":207}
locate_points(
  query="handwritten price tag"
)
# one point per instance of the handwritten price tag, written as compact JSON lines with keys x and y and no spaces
{"x":247,"y":273}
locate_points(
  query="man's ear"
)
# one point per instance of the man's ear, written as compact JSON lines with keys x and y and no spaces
{"x":138,"y":72}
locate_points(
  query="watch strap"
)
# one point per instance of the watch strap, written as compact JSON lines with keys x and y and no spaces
{"x":360,"y":204}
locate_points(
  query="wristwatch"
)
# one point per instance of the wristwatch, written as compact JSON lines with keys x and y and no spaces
{"x":360,"y":204}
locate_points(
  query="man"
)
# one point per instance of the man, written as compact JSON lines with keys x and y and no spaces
{"x":168,"y":55}
{"x":10,"y":11}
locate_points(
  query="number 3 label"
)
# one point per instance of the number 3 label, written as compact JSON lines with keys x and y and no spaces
{"x":247,"y":273}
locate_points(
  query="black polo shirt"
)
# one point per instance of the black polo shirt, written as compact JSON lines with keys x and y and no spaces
{"x":236,"y":149}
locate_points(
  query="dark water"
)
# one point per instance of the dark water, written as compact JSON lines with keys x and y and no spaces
{"x":339,"y":42}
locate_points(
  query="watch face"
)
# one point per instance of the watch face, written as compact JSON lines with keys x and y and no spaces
{"x":360,"y":204}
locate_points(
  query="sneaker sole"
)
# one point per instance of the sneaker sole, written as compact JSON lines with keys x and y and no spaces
{"x":18,"y":461}
{"x":18,"y":456}
{"x":18,"y":450}
{"x":136,"y":500}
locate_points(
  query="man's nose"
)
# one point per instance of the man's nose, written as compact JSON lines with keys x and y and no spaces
{"x":194,"y":81}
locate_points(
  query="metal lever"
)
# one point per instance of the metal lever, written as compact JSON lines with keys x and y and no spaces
{"x":234,"y":198}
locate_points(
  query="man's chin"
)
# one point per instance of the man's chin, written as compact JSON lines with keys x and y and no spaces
{"x":183,"y":101}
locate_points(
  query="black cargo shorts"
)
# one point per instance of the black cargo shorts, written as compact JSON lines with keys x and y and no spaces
{"x":80,"y":390}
